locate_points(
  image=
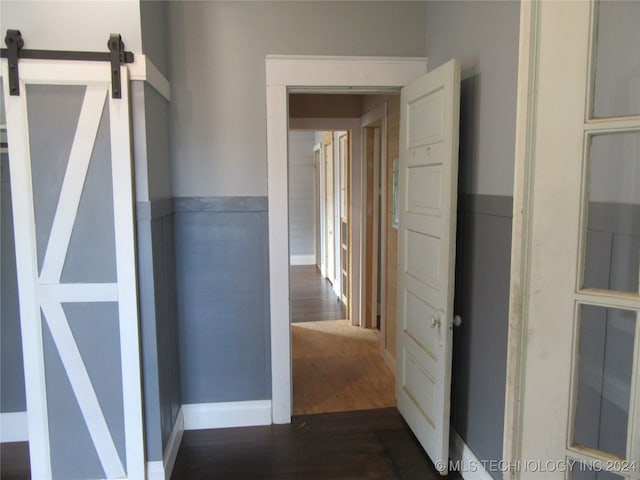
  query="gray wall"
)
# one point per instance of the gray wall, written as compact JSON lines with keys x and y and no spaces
{"x":301,"y":188}
{"x":484,"y":36}
{"x":12,"y":395}
{"x":218,"y":131}
{"x":483,"y":249}
{"x":223,"y":298}
{"x":156,"y":268}
{"x":154,"y":26}
{"x":159,"y":325}
{"x":217,"y":64}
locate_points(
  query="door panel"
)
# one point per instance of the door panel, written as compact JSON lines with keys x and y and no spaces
{"x":71,"y":185}
{"x":428,"y":198}
{"x":580,"y":387}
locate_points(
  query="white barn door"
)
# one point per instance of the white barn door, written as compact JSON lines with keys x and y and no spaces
{"x":71,"y":186}
{"x":429,"y":121}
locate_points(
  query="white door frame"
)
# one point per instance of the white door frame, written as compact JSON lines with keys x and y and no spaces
{"x":323,"y":73}
{"x":522,"y":232}
{"x":372,"y":119}
{"x":521,"y":229}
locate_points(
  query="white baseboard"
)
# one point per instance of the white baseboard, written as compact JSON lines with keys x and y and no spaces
{"x":161,"y":470}
{"x":470,"y":467}
{"x":14,"y":427}
{"x":302,"y":259}
{"x":198,"y":416}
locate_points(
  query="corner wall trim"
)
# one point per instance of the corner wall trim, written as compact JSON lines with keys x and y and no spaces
{"x":143,"y":69}
{"x":161,"y":470}
{"x":302,"y":259}
{"x":198,"y":416}
{"x":470,"y":467}
{"x":13,"y":427}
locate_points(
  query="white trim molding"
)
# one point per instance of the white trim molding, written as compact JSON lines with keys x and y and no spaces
{"x":143,"y":69}
{"x":302,"y":259}
{"x":199,"y":416}
{"x":469,"y":466}
{"x":161,"y":470}
{"x":521,"y":230}
{"x":314,"y":74}
{"x":14,"y":427}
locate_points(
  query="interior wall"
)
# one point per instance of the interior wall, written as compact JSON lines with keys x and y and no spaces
{"x":218,"y":129}
{"x":301,"y":201}
{"x":484,"y":36}
{"x":154,"y":26}
{"x":217,"y":63}
{"x":82,"y":25}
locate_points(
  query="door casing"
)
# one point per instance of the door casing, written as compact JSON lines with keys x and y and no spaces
{"x":320,"y":74}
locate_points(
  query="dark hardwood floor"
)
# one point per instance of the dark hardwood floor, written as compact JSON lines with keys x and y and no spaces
{"x":312,"y":297}
{"x":14,"y":461}
{"x":367,"y":444}
{"x":371,"y":444}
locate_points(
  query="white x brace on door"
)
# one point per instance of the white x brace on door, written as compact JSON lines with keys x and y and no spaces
{"x":71,"y":185}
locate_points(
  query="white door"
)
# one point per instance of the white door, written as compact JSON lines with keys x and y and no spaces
{"x":427,"y":197}
{"x":71,"y":186}
{"x":580,"y":388}
{"x":329,"y":207}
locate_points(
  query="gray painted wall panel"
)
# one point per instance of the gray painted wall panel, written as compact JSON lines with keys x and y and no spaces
{"x":89,"y":321}
{"x":50,"y":145}
{"x":218,"y":106}
{"x":158,"y":307}
{"x":301,"y":188}
{"x":480,"y":344}
{"x":149,"y":354}
{"x":12,"y":395}
{"x":153,"y":25}
{"x":92,"y":247}
{"x":158,"y":145}
{"x":73,"y":455}
{"x":484,"y":37}
{"x":222,"y":278}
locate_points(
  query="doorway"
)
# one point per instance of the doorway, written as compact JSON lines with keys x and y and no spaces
{"x":336,"y":366}
{"x":320,"y":74}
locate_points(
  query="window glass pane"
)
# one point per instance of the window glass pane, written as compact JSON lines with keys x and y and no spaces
{"x":604,"y":378}
{"x":580,"y":471}
{"x":617,"y":62}
{"x":612,"y":257}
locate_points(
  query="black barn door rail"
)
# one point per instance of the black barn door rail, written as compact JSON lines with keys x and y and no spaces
{"x":15,"y":51}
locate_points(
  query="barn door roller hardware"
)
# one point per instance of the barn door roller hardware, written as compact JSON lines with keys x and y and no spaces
{"x":15,"y":51}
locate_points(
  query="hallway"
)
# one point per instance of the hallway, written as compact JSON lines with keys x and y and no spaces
{"x":336,"y":367}
{"x":312,"y":297}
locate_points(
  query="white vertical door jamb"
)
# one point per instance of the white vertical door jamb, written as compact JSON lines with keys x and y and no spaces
{"x":26,"y":262}
{"x":123,"y":209}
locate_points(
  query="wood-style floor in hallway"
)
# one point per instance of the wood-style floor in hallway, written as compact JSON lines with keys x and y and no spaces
{"x":336,"y":367}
